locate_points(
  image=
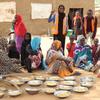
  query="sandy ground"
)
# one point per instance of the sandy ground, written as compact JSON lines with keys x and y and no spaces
{"x":92,"y":94}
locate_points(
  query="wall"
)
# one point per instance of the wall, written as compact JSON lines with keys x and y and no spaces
{"x":41,"y":26}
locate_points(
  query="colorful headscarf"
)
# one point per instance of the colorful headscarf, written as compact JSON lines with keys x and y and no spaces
{"x":56,"y":45}
{"x":35,"y":43}
{"x":19,"y":26}
{"x":79,"y":38}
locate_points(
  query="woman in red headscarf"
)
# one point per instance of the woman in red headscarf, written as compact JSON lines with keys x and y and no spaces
{"x":20,"y":31}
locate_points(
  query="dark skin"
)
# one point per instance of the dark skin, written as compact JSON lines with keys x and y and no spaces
{"x":82,"y":42}
{"x":90,"y":13}
{"x":61,"y":9}
{"x":96,"y":41}
{"x":27,"y":37}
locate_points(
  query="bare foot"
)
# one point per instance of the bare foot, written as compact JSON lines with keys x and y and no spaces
{"x":24,"y":71}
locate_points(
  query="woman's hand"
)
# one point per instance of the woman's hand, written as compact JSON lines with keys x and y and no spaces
{"x":52,"y":12}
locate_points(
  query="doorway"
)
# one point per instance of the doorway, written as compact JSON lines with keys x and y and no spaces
{"x":71,"y":14}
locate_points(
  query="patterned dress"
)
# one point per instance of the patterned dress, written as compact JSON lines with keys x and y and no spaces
{"x":58,"y":64}
{"x":6,"y":65}
{"x":83,"y":57}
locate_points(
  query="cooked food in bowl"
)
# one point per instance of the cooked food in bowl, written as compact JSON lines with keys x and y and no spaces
{"x":70,"y":78}
{"x":25,"y":79}
{"x":62,"y":94}
{"x":64,"y":87}
{"x":87,"y":84}
{"x":35,"y":82}
{"x":40,"y":78}
{"x":17,"y":82}
{"x":49,"y":90}
{"x":54,"y":78}
{"x":14,"y":93}
{"x":69,"y":83}
{"x":80,"y":89}
{"x":31,"y":90}
{"x":87,"y":79}
{"x":51,"y":83}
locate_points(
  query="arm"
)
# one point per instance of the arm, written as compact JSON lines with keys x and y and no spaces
{"x":51,"y":18}
{"x":69,"y":47}
{"x":67,"y":23}
{"x":95,"y":28}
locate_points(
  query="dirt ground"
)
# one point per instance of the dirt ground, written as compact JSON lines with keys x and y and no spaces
{"x":92,"y":94}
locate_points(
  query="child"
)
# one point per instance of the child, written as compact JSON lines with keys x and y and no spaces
{"x":97,"y":61}
{"x":71,"y":46}
{"x":12,"y":50}
{"x":94,"y":49}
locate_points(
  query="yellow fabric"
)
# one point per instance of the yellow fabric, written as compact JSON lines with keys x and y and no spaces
{"x":64,"y":72}
{"x":57,"y":44}
{"x":93,"y":24}
{"x":54,"y":30}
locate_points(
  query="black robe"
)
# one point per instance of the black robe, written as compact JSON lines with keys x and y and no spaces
{"x":24,"y":53}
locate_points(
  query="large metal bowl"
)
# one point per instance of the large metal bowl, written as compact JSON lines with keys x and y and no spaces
{"x":69,"y":83}
{"x":62,"y":94}
{"x":51,"y":83}
{"x":14,"y":93}
{"x":80,"y":89}
{"x":35,"y":83}
{"x":31,"y":90}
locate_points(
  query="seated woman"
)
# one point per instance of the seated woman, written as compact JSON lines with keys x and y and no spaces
{"x":12,"y":50}
{"x":35,"y":58}
{"x":57,"y":63}
{"x":6,"y":65}
{"x":83,"y":54}
{"x":24,"y":53}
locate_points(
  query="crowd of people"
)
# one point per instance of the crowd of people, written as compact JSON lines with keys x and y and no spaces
{"x":23,"y":54}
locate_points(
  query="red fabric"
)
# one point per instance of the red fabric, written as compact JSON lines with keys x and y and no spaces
{"x":71,"y":52}
{"x":75,"y":18}
{"x":94,"y":49}
{"x":19,"y":26}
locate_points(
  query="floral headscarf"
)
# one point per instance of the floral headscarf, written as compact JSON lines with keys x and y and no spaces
{"x":79,"y":38}
{"x":56,"y":45}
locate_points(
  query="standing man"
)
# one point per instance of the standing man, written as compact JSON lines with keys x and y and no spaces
{"x":90,"y":25}
{"x":59,"y":28}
